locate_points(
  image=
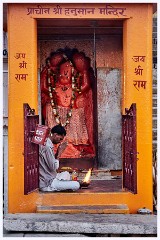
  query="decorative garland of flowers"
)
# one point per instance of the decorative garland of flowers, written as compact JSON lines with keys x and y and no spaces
{"x":52,"y":94}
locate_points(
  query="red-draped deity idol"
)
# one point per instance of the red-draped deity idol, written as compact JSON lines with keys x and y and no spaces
{"x":66,"y":98}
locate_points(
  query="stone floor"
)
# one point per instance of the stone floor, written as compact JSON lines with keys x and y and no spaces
{"x":102,"y":181}
{"x":113,"y":185}
{"x":99,"y":186}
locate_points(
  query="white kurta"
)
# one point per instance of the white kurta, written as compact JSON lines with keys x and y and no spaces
{"x":49,"y":179}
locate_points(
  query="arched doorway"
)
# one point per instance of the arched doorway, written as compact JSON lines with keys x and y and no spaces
{"x":101,"y":41}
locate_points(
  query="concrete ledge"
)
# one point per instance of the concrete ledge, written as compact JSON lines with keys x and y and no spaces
{"x":82,"y":223}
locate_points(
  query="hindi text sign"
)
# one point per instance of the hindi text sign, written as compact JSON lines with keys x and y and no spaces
{"x":40,"y":134}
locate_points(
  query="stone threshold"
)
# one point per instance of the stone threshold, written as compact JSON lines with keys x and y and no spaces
{"x":82,"y":223}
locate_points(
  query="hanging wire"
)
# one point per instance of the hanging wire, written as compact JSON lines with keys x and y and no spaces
{"x":94,"y":50}
{"x":94,"y":25}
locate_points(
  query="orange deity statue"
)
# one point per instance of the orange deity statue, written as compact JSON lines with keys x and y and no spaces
{"x":66,"y":97}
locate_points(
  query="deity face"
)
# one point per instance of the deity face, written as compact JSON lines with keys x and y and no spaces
{"x":65,"y":73}
{"x":56,"y":59}
{"x":64,"y":96}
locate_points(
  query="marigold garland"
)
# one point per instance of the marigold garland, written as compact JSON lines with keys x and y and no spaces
{"x":52,"y":94}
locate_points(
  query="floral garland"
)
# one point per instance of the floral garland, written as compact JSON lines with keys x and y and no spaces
{"x":52,"y":94}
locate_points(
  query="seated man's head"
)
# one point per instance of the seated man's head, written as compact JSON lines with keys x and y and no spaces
{"x":57,"y":134}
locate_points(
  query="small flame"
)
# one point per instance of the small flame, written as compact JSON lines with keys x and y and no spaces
{"x":87,"y":177}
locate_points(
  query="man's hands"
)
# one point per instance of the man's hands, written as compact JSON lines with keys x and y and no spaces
{"x":60,"y":149}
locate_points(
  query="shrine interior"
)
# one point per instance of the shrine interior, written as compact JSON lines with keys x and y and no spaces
{"x":102,"y":42}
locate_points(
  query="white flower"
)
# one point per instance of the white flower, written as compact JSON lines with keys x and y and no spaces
{"x":55,"y":111}
{"x":70,"y":114}
{"x":57,"y":120}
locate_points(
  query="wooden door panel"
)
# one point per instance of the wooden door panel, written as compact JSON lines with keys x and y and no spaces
{"x":129,"y":145}
{"x":31,"y":151}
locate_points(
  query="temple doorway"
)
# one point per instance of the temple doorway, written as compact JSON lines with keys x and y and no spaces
{"x":100,"y":42}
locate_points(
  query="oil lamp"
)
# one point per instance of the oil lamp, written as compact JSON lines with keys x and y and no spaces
{"x":86,"y":181}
